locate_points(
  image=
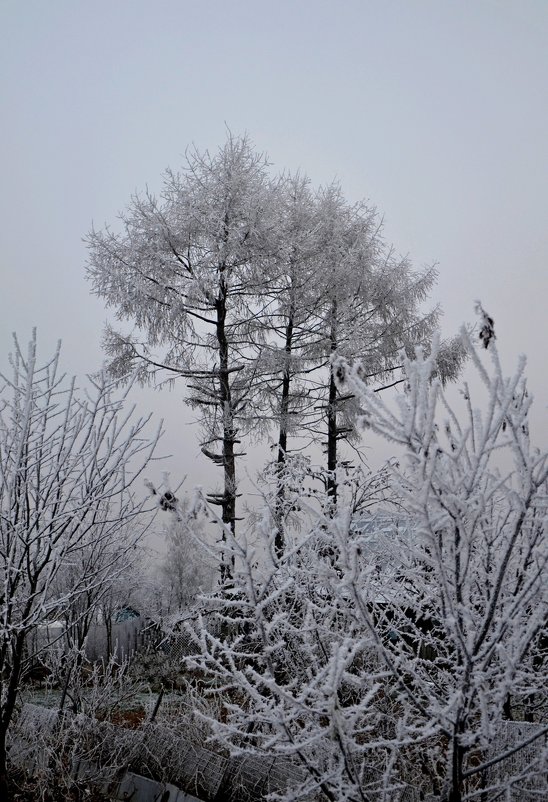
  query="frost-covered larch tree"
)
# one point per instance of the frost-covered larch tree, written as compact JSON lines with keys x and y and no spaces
{"x":68,"y":465}
{"x":185,"y":270}
{"x":246,"y":286}
{"x":335,"y":288}
{"x":372,"y":310}
{"x":290,"y":325}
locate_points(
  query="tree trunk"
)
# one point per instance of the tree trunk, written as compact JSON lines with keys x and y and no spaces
{"x":3,"y":766}
{"x":8,"y":708}
{"x":279,"y":542}
{"x":228,"y":504}
{"x":332,"y":444}
{"x":457,"y":761}
{"x":332,"y":431}
{"x":108,"y":628}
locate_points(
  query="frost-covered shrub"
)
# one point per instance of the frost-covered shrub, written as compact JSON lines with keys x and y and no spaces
{"x":389,"y":657}
{"x":68,"y":464}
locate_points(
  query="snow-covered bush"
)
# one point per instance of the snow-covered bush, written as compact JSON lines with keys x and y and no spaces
{"x":68,"y":465}
{"x":384,"y":657}
{"x":471,"y":592}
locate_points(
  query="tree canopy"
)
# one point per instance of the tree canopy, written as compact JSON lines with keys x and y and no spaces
{"x":246,"y":285}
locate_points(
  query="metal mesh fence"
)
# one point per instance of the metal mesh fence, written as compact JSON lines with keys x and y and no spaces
{"x":168,"y":755}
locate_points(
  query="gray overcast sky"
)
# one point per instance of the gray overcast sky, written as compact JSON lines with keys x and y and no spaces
{"x":436,"y":111}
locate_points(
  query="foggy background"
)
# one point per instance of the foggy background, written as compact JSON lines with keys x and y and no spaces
{"x":436,"y":112}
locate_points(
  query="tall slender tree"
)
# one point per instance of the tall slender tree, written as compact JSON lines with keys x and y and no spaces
{"x":184,"y":270}
{"x":290,"y":323}
{"x":336,"y":288}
